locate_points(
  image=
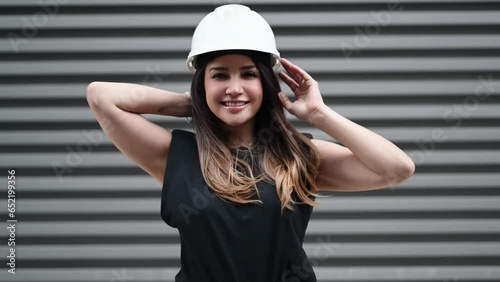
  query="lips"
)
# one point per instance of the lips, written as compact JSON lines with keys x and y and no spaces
{"x":234,"y":104}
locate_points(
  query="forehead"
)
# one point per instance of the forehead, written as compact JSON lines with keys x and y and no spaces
{"x":230,"y":60}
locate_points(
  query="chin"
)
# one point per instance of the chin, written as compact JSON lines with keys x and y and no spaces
{"x":234,"y":123}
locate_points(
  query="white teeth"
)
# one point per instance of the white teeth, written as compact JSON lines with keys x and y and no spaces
{"x":234,"y":104}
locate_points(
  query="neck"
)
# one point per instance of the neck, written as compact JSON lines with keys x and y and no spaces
{"x":240,"y":136}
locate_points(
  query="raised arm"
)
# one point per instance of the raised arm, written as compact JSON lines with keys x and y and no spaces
{"x":368,"y":161}
{"x":118,"y":108}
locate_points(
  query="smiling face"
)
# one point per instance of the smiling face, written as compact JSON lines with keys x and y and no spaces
{"x":233,"y":90}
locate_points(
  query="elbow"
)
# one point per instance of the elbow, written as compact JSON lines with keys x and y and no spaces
{"x":407,"y":169}
{"x":404,"y":171}
{"x":92,"y":89}
{"x":94,"y":94}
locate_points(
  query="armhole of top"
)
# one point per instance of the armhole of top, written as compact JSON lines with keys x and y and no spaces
{"x":308,"y":135}
{"x":182,"y":142}
{"x":176,"y":147}
{"x":170,"y":155}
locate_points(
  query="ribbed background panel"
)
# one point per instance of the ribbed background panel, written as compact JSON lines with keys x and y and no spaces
{"x":424,"y":74}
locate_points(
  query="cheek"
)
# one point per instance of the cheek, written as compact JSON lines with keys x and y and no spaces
{"x":209,"y":90}
{"x":211,"y":97}
{"x":211,"y":101}
{"x":258,"y":93}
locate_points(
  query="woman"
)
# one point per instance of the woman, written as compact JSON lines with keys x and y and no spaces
{"x":241,"y":188}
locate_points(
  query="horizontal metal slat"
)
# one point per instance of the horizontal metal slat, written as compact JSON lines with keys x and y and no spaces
{"x":462,"y":157}
{"x":15,"y":3}
{"x":107,"y":21}
{"x":82,"y":159}
{"x":483,"y":86}
{"x":324,"y":274}
{"x":285,"y":43}
{"x":452,"y":181}
{"x":397,"y":18}
{"x":361,"y":42}
{"x":276,"y":20}
{"x":139,"y":183}
{"x":117,"y":159}
{"x":403,"y":226}
{"x":311,"y":65}
{"x":57,"y":114}
{"x":85,"y":274}
{"x":431,"y":136}
{"x":331,"y":204}
{"x":408,"y":273}
{"x":320,"y":250}
{"x":315,"y":227}
{"x":49,"y":183}
{"x":428,"y":137}
{"x":450,"y":113}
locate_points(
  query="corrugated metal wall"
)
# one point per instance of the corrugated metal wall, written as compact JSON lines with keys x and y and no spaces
{"x":424,"y":74}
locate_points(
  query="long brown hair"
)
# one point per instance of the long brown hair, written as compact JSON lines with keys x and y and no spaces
{"x":287,"y":158}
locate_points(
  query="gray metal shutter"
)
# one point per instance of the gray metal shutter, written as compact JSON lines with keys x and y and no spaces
{"x":424,"y":74}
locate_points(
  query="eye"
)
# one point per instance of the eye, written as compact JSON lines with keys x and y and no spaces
{"x":219,"y":75}
{"x":250,"y":74}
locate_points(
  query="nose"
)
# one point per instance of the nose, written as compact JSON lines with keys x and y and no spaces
{"x":235,"y":87}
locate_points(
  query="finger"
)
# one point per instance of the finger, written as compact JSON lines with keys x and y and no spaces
{"x":287,"y":104}
{"x":289,"y":81}
{"x":302,"y":74}
{"x":290,"y":70}
{"x":294,"y":72}
{"x":293,"y":80}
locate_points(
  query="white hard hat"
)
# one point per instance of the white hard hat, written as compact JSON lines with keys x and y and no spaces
{"x":233,"y":27}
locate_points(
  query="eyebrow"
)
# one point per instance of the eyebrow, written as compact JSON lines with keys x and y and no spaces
{"x":225,"y":69}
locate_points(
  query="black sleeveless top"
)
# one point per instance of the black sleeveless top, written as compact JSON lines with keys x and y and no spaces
{"x":223,"y":241}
